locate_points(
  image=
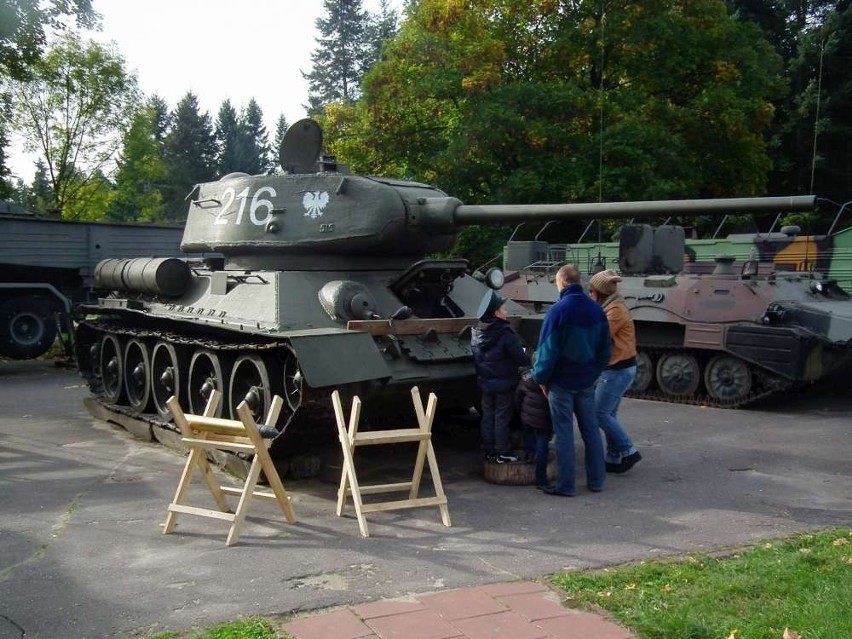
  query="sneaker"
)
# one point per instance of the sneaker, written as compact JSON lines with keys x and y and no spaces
{"x":506,"y":458}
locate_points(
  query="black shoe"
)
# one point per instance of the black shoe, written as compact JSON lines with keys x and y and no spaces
{"x":626,"y":464}
{"x":631,"y":460}
{"x":551,"y":490}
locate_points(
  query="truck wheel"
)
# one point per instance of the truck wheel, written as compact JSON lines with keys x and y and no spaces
{"x":27,"y":328}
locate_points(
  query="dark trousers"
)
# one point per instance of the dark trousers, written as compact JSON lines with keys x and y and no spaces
{"x":537,"y":441}
{"x":498,"y":409}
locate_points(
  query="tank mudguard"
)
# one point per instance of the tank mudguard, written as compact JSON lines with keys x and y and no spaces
{"x":337,"y":358}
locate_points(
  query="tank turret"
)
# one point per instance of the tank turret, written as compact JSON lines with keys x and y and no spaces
{"x":322,"y":283}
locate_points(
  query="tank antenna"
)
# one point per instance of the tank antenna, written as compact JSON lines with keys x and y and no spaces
{"x":816,"y":116}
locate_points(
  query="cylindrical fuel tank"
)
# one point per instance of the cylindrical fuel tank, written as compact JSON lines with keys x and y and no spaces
{"x":167,"y":276}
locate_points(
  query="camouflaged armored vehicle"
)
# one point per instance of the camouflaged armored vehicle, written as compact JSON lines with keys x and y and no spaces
{"x":724,"y":337}
{"x":324,"y":284}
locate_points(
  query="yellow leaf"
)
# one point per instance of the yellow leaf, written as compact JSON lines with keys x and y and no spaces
{"x":790,"y":634}
{"x":733,"y":634}
{"x":630,"y":587}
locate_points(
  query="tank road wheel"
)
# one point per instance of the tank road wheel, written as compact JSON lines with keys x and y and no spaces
{"x":293,"y":380}
{"x":27,"y":328}
{"x":728,"y":378}
{"x":205,"y":376}
{"x":644,"y":373}
{"x":678,"y":373}
{"x":168,"y":375}
{"x":250,"y":383}
{"x":112,"y":368}
{"x":137,"y":375}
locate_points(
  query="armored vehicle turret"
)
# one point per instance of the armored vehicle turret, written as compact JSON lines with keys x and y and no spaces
{"x":320,"y":281}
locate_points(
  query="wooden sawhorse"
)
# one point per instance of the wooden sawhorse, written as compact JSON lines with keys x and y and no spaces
{"x":350,"y":439}
{"x":203,"y":432}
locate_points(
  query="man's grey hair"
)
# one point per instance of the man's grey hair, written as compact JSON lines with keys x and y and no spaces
{"x":568,"y":274}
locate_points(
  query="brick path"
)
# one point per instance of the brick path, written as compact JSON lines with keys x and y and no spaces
{"x":517,"y":610}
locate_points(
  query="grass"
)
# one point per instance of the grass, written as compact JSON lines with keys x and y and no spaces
{"x":248,"y":628}
{"x":793,"y":588}
{"x":802,"y":584}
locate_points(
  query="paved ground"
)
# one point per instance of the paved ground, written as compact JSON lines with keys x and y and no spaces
{"x":82,"y":554}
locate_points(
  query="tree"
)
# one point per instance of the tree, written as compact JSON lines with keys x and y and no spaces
{"x":231,"y":154}
{"x":190,"y":156}
{"x":141,"y":170}
{"x":256,"y":140}
{"x":72,"y":112}
{"x":381,"y":29}
{"x":281,"y":127}
{"x":22,"y":39}
{"x":341,"y":55}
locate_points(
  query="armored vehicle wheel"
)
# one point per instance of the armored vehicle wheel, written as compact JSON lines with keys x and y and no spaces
{"x":727,"y":378}
{"x":644,"y":373}
{"x":250,"y":383}
{"x":168,"y":375}
{"x":678,"y":373}
{"x":27,"y":329}
{"x":112,"y":368}
{"x":293,"y":380}
{"x":137,"y":375}
{"x":206,"y":374}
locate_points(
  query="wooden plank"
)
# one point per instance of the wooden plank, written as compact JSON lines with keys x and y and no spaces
{"x":383,"y":488}
{"x":201,"y":512}
{"x":442,"y":325}
{"x":396,"y":436}
{"x":404,"y":503}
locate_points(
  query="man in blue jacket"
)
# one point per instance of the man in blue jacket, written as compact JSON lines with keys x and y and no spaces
{"x":573,"y":348}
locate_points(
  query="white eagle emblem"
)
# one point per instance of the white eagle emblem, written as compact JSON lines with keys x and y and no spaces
{"x":315,"y":202}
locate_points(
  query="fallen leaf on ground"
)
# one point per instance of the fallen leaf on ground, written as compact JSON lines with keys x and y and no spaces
{"x":790,"y":634}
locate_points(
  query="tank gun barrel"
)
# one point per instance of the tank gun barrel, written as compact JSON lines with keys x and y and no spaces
{"x":514,"y":213}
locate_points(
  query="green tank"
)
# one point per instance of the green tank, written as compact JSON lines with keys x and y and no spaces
{"x":319,"y":281}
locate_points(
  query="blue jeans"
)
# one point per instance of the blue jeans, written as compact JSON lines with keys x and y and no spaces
{"x":609,"y":389}
{"x":564,"y":404}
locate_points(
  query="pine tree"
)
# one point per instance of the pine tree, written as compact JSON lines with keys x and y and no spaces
{"x":190,"y":155}
{"x":256,"y":140}
{"x":341,"y":55}
{"x":381,"y":29}
{"x":162,"y":117}
{"x":280,"y":131}
{"x":230,"y":157}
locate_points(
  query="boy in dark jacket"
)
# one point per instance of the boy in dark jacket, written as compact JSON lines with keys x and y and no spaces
{"x":534,"y":411}
{"x":497,"y":354}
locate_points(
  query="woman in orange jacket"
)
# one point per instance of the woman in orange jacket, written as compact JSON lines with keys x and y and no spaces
{"x":621,"y":454}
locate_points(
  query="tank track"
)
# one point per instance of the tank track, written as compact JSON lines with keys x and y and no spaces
{"x":299,"y":421}
{"x":771,"y":385}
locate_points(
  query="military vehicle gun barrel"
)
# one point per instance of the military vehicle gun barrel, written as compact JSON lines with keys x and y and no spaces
{"x":513,"y":213}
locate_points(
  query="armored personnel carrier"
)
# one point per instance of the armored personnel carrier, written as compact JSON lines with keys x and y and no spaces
{"x":725,"y":337}
{"x":323,"y":284}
